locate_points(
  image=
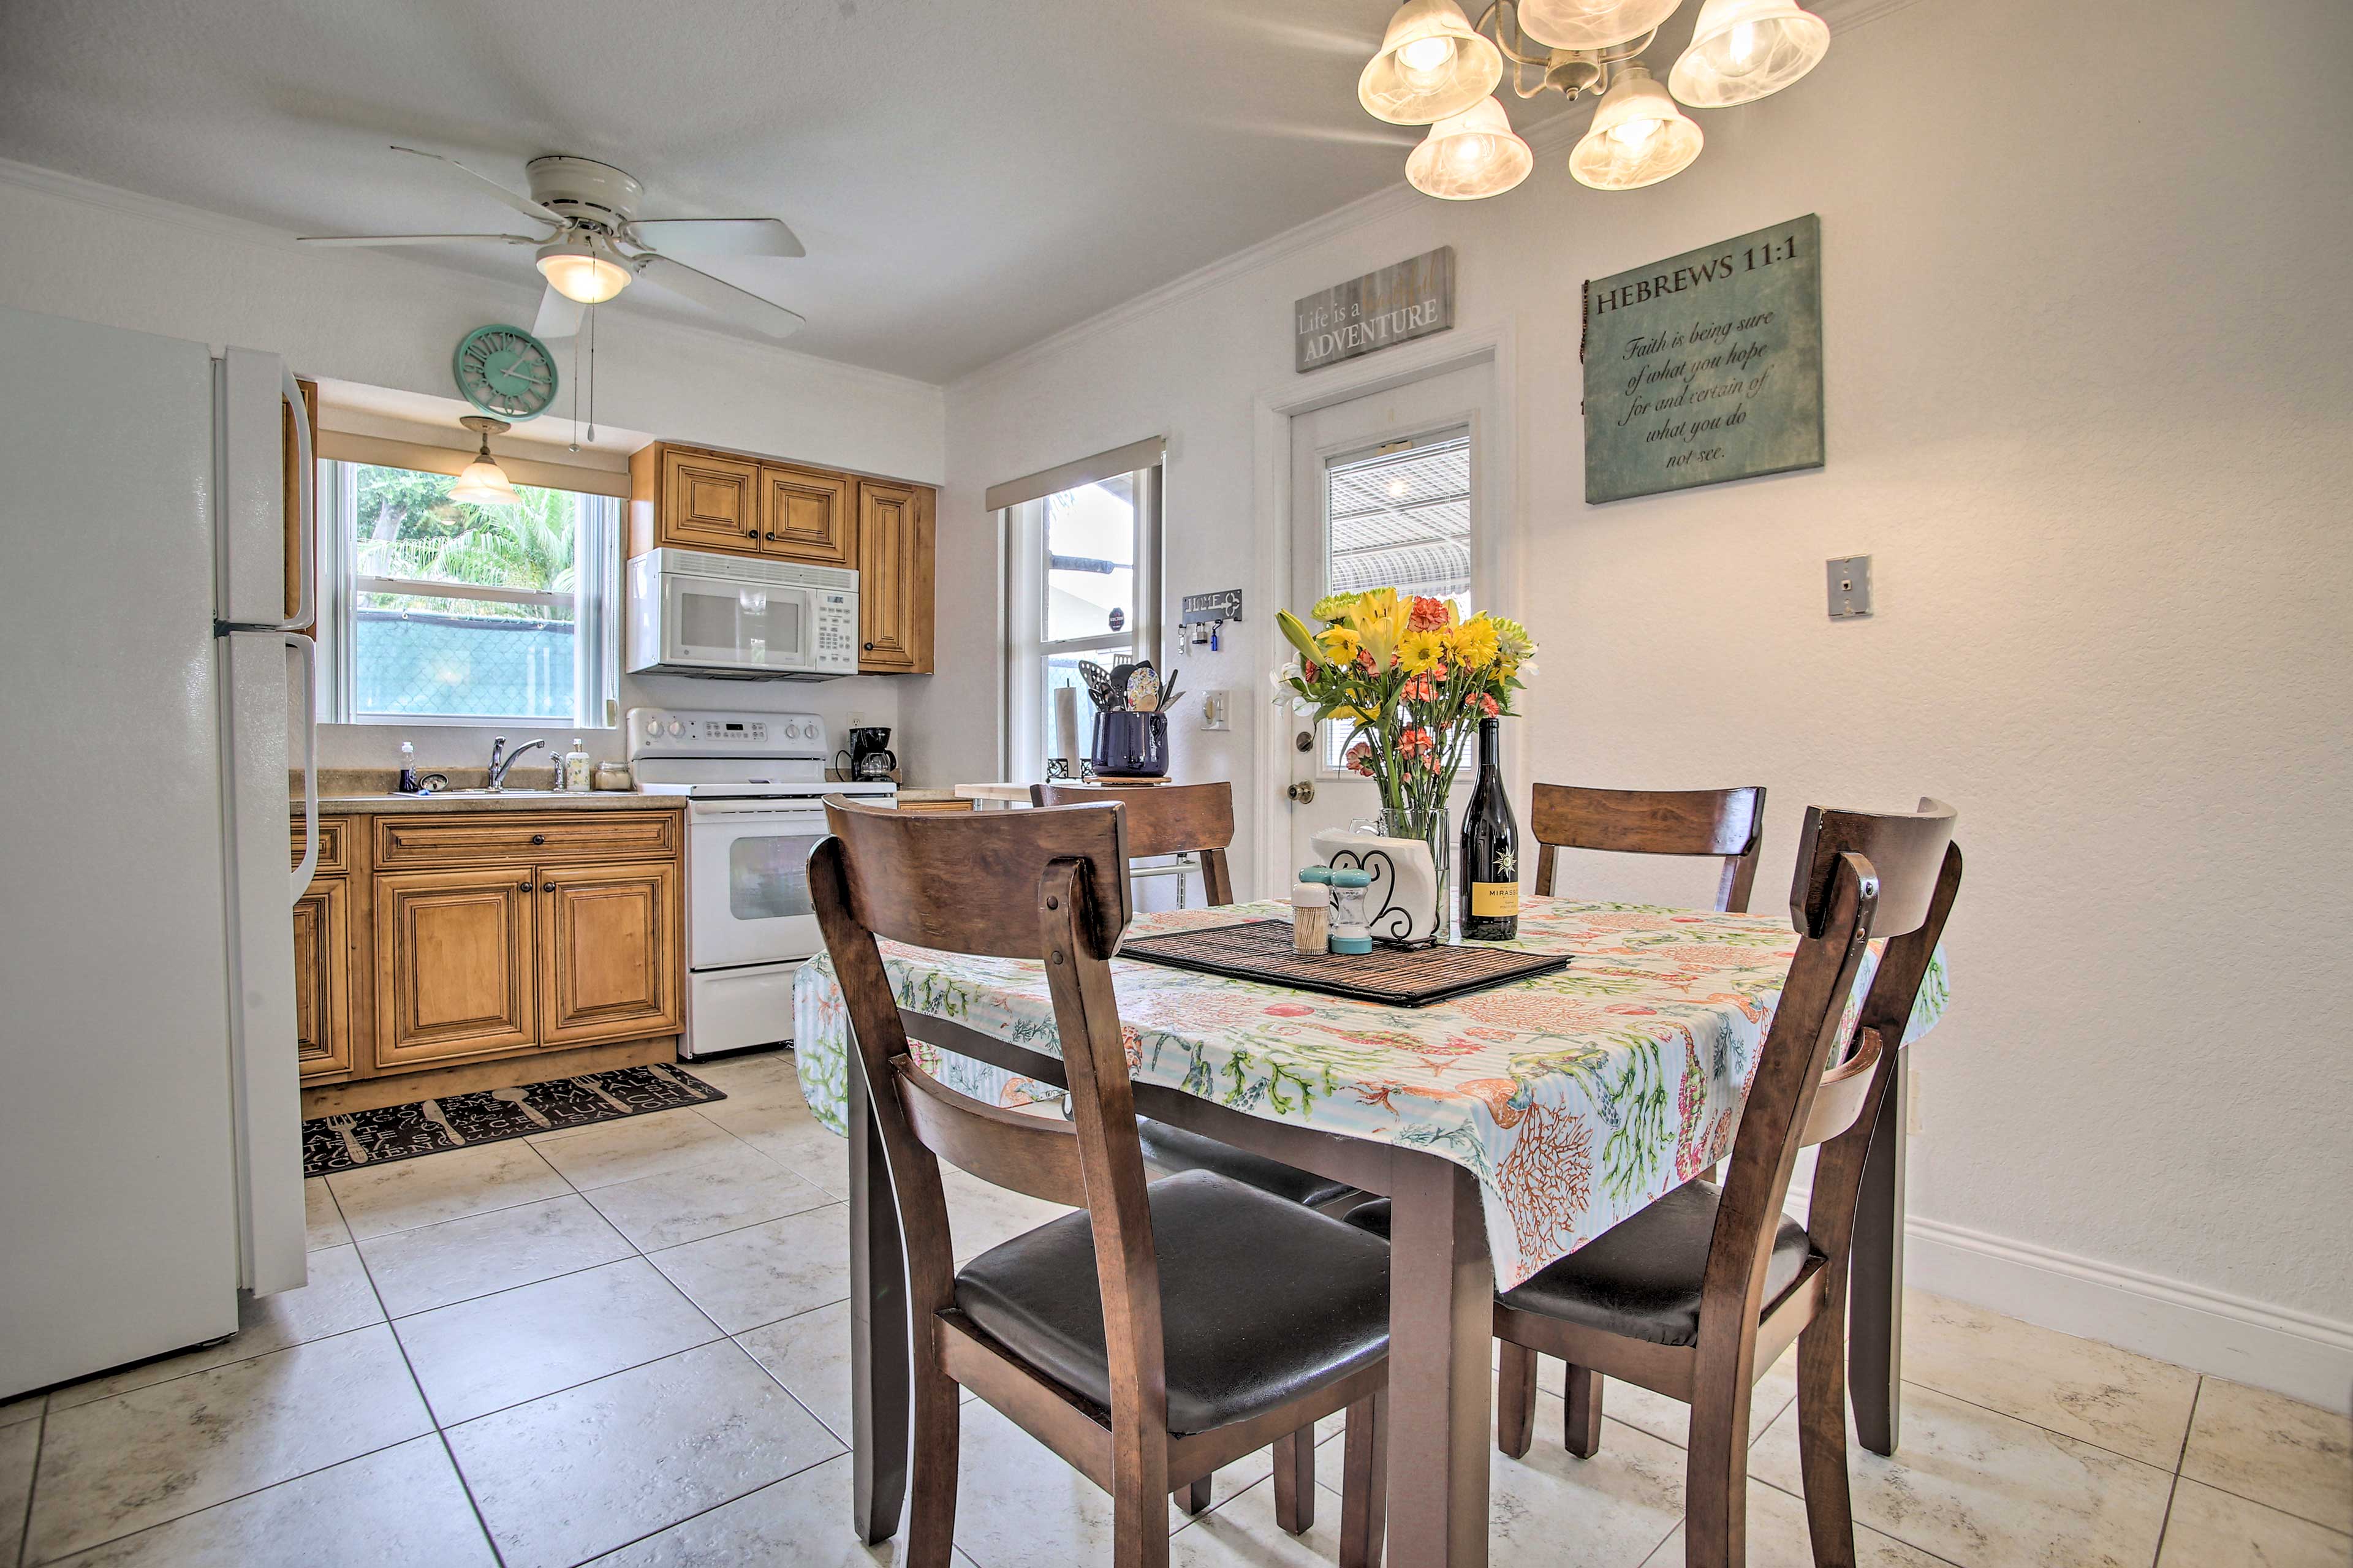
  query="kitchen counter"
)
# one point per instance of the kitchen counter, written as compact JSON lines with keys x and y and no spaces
{"x":511,"y":800}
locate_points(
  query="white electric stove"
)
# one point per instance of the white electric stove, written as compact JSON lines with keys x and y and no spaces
{"x":756,"y":783}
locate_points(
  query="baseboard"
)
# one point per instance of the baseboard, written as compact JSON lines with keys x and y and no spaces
{"x":2299,"y":1354}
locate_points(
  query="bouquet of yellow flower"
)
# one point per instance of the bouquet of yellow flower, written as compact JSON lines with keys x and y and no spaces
{"x":1412,"y":680}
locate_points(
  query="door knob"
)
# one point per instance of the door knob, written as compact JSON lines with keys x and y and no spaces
{"x":1304,"y":742}
{"x":1302,"y":793}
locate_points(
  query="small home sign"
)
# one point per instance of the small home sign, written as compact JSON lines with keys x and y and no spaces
{"x":1706,"y":366}
{"x":1395,"y":305}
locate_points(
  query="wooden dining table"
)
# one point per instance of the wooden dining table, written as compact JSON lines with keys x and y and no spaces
{"x":1509,"y":1127}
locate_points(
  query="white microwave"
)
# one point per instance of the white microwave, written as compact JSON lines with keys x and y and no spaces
{"x":693,"y":613}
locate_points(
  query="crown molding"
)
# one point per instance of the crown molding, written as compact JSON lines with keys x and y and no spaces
{"x":1551,"y":135}
{"x":178,"y":215}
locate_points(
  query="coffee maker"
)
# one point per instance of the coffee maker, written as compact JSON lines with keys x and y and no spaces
{"x":869,"y":756}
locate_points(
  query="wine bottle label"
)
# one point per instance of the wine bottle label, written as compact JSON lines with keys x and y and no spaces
{"x":1495,"y":898}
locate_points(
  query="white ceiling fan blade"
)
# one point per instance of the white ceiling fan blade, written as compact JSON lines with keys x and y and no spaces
{"x":410,"y":238}
{"x":559,"y":317}
{"x":718,"y":236}
{"x":515,"y":199}
{"x":738,"y":305}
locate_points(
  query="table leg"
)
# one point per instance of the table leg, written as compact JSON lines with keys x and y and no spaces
{"x":1875,"y":1310}
{"x":879,"y":1385}
{"x":1441,"y":1314}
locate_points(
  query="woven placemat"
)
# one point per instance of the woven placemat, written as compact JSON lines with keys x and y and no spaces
{"x":1260,"y":951}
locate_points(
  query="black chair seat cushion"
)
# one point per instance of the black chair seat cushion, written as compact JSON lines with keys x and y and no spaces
{"x":1640,"y":1279}
{"x":1172,"y":1150}
{"x":1262,"y":1301}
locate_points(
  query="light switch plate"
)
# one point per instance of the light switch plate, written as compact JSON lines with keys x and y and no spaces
{"x":1216,"y":710}
{"x":1849,"y":586}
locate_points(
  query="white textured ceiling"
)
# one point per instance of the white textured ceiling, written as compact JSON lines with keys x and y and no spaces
{"x":968,"y":177}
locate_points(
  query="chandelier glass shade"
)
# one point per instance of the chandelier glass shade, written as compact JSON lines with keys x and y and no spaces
{"x":1469,"y":155}
{"x":1591,"y":24}
{"x":1638,"y":138}
{"x":581,"y":268}
{"x":483,"y":482}
{"x":1742,"y":50}
{"x":1431,"y":66}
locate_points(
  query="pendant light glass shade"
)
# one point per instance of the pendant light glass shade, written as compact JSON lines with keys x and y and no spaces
{"x":1431,"y":66}
{"x":1591,"y":24}
{"x":483,"y":482}
{"x":581,"y":271}
{"x":1639,"y":137}
{"x":1469,"y":155}
{"x":1742,"y":50}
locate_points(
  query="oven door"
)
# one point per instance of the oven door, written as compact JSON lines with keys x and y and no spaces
{"x":719,"y":624}
{"x":747,"y":882}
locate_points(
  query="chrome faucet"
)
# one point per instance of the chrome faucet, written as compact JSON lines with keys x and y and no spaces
{"x":501,"y":759}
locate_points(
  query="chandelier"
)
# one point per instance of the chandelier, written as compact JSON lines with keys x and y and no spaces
{"x":1435,"y":68}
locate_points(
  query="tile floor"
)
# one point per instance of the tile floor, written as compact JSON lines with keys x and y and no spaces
{"x":626,"y":1344}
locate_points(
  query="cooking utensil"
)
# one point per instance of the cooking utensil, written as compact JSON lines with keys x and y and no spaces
{"x":433,"y":1113}
{"x":1143,"y":687}
{"x":1098,"y":682}
{"x":521,"y":1100}
{"x":597,"y":1089}
{"x":342,"y":1127}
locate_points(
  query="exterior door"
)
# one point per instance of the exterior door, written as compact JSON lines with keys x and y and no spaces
{"x":1386,"y":491}
{"x":610,"y":953}
{"x":806,"y":515}
{"x":894,"y":577}
{"x":454,"y":969}
{"x":710,"y":502}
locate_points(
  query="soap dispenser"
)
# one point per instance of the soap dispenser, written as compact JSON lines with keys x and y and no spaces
{"x":409,"y":784}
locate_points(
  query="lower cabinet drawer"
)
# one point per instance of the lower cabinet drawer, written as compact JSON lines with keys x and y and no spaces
{"x":331,"y":831}
{"x":523,"y":839}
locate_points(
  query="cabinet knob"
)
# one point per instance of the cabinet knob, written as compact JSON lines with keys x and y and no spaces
{"x":547,"y":887}
{"x":751,"y":533}
{"x":771,"y":536}
{"x":539,"y":838}
{"x":524,"y":884}
{"x":870,"y":647}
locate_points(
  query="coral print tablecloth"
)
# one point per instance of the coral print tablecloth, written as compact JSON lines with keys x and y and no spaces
{"x":1576,"y":1098}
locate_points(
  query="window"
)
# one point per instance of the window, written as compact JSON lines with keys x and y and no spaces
{"x":445,"y":611}
{"x":1399,"y":516}
{"x":1082,"y":570}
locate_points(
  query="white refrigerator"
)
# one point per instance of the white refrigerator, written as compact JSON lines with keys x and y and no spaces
{"x":153,"y":698}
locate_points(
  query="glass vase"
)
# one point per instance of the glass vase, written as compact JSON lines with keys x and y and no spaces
{"x":1428,"y":825}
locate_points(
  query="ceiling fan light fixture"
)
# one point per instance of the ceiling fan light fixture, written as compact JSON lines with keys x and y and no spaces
{"x":483,"y":482}
{"x":1431,"y":66}
{"x":1591,"y":24}
{"x":582,"y":268}
{"x":1637,"y":137}
{"x":1742,"y":50}
{"x":1470,"y":155}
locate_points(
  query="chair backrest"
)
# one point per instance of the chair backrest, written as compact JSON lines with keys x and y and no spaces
{"x":1047,"y":885}
{"x":1729,"y":823}
{"x":1862,"y":875}
{"x":1166,"y":819}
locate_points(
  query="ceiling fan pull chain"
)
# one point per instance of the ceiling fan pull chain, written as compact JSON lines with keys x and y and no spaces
{"x":592,"y":372}
{"x":576,"y":392}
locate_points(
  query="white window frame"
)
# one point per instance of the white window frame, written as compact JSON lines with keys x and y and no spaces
{"x":1027,"y":647}
{"x":594,"y":601}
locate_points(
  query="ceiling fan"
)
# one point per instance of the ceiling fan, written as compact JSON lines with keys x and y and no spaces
{"x":597,"y":244}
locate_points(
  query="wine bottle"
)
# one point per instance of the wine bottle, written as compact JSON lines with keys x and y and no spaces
{"x":1491,"y":850}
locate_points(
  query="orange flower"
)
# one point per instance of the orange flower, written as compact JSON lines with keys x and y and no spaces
{"x":1429,"y":613}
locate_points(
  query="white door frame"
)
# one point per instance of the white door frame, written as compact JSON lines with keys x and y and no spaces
{"x":1499,"y":555}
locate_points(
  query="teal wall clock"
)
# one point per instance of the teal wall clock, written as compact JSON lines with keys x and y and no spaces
{"x":506,"y":371}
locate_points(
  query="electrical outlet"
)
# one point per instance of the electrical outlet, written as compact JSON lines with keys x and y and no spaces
{"x":1850,"y":586}
{"x":1216,"y":709}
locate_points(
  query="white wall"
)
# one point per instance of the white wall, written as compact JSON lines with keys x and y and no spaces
{"x":75,"y":249}
{"x":2089,"y":370}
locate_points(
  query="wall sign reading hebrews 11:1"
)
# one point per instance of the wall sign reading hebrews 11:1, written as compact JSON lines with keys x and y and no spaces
{"x":1410,"y":299}
{"x":1706,"y":366}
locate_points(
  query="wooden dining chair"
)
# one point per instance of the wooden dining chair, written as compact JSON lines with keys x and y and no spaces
{"x":1729,"y":823}
{"x":1697,"y":1296}
{"x":1197,"y":819}
{"x":1169,"y":1327}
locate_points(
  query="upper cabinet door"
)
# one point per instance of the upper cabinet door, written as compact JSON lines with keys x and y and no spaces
{"x":805,"y":515}
{"x":709,"y":503}
{"x":894,"y":577}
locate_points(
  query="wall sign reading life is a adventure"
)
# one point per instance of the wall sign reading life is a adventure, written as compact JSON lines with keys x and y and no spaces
{"x":1410,"y":300}
{"x":1705,"y":366}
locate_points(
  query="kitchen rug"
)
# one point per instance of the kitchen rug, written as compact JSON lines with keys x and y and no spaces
{"x":379,"y":1137}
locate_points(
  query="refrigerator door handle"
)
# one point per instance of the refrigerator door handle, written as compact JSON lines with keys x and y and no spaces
{"x":306,"y":511}
{"x":309,"y":648}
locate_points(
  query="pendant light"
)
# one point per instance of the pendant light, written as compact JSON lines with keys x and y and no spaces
{"x":1469,"y":155}
{"x":1431,"y":65}
{"x":484,"y":483}
{"x":1742,"y":50}
{"x":1639,"y":137}
{"x":583,"y":267}
{"x":1591,"y":24}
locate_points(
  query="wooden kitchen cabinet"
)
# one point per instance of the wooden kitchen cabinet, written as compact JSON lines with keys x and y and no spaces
{"x":706,"y":501}
{"x":322,"y":993}
{"x":894,"y":577}
{"x":610,"y":953}
{"x":806,"y":515}
{"x":456,"y":964}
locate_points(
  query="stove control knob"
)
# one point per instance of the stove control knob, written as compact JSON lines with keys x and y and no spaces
{"x":676,"y":728}
{"x":792,"y":732}
{"x":653,"y":727}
